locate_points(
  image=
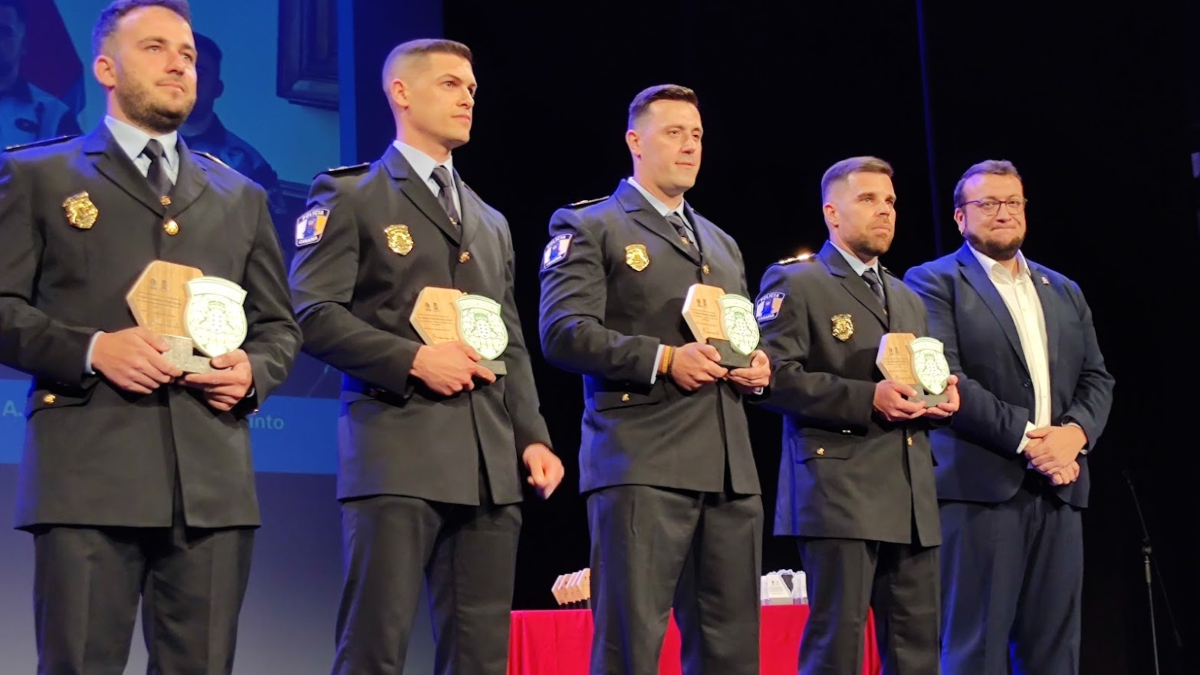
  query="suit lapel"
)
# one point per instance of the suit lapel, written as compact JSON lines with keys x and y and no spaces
{"x":112,"y":162}
{"x":703,"y":229}
{"x":472,"y":216}
{"x":978,"y":278}
{"x":644,"y":214}
{"x":419,"y":194}
{"x":190,"y":183}
{"x":1049,"y":296}
{"x":837,"y":266}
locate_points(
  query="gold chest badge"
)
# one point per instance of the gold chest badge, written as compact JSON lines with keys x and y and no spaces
{"x":843,"y":327}
{"x":399,"y":239}
{"x":81,"y":212}
{"x":637,"y":257}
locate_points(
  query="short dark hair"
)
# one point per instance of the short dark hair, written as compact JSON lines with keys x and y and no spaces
{"x":659,"y":92}
{"x":993,"y":167}
{"x":844,"y":168}
{"x":106,"y":25}
{"x":422,"y":47}
{"x":18,"y":7}
{"x":207,"y":48}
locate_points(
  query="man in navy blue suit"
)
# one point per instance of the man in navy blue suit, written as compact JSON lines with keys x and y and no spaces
{"x":1012,"y":471}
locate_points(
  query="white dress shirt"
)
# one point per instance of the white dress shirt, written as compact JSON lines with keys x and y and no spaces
{"x":1025,"y":308}
{"x":424,"y":165}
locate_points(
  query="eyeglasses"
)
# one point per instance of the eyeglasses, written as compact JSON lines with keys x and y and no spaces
{"x":991,"y":206}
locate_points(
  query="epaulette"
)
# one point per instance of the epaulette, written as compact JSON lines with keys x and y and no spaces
{"x":887,"y":271}
{"x":213,"y":157}
{"x":345,"y":169}
{"x":585,"y":202}
{"x":41,"y":143}
{"x":803,"y":257}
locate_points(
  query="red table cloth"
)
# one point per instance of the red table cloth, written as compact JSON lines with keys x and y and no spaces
{"x":558,"y":642}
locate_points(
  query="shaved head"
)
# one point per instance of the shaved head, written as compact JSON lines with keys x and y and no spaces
{"x":413,"y":55}
{"x":430,"y":87}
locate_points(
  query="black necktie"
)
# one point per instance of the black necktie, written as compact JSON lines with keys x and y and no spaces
{"x":441,"y":176}
{"x":682,"y":229}
{"x":872,"y":280}
{"x":157,"y":174}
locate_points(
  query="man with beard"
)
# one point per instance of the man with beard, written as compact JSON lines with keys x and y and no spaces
{"x":1012,"y":473}
{"x":136,"y":480}
{"x":27,"y":113}
{"x":856,"y":482}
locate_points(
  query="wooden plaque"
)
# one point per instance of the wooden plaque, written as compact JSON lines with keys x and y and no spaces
{"x":702,"y":312}
{"x":585,"y":584}
{"x":556,"y":589}
{"x":435,"y":317}
{"x":159,"y":297}
{"x":158,"y":301}
{"x":895,"y":359}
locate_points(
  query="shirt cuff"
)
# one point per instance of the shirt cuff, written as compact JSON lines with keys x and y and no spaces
{"x":657,"y":360}
{"x":1084,"y":449}
{"x":1025,"y":437}
{"x":87,"y":364}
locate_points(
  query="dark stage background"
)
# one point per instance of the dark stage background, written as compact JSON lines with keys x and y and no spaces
{"x":1090,"y":105}
{"x":1100,"y":110}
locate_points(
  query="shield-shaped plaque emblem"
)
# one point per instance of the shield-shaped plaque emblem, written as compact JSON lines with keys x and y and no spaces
{"x":929,"y":364}
{"x":214,"y":317}
{"x":737,"y":317}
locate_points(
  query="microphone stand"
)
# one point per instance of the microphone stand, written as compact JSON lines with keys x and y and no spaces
{"x":1150,"y":563}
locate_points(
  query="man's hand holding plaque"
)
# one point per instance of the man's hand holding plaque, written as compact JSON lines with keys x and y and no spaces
{"x":464,"y":336}
{"x":133,"y":360}
{"x":190,"y":312}
{"x":179,"y":311}
{"x":917,"y":378}
{"x":724,"y":321}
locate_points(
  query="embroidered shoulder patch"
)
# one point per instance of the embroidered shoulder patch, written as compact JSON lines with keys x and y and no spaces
{"x":310,"y":226}
{"x":556,"y":251}
{"x":768,"y":305}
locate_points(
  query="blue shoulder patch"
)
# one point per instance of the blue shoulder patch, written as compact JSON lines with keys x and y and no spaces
{"x":768,"y":305}
{"x":556,"y":251}
{"x":310,"y":227}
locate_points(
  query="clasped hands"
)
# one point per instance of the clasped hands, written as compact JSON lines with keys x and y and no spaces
{"x":132,"y":359}
{"x":696,"y":364}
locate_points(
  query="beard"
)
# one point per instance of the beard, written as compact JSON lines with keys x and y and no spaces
{"x":870,"y":245}
{"x":998,"y":251}
{"x":136,"y":101}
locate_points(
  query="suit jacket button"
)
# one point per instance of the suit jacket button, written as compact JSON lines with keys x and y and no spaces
{"x":820,"y":451}
{"x":464,"y":256}
{"x":625,"y":398}
{"x":49,"y":399}
{"x":910,"y":441}
{"x":706,"y":269}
